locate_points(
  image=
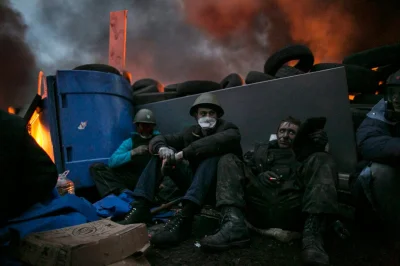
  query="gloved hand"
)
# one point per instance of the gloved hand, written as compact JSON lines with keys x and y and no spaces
{"x":143,"y":149}
{"x":165,"y":152}
{"x":173,"y":159}
{"x":179,"y":156}
{"x":319,"y":138}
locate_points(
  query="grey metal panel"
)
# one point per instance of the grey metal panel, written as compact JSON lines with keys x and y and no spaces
{"x":258,"y":108}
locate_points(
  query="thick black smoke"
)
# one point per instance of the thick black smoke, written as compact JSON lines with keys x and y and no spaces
{"x":162,"y":43}
{"x":17,"y":63}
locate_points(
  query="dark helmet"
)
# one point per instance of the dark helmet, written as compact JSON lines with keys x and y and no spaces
{"x":144,"y":116}
{"x":207,"y":100}
{"x":394,"y":79}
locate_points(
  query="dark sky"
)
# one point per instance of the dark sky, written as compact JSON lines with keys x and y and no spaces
{"x":174,"y":40}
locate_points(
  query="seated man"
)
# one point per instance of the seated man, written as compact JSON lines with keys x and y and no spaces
{"x":278,"y":188}
{"x":28,"y":175}
{"x":128,"y":161}
{"x":190,"y":159}
{"x":378,"y":140}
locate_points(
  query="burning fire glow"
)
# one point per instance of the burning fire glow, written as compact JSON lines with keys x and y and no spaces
{"x":41,"y":134}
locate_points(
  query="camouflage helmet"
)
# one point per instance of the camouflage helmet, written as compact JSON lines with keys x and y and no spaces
{"x":207,"y":100}
{"x":144,"y":116}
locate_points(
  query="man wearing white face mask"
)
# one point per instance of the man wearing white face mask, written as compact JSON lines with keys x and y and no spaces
{"x":201,"y":146}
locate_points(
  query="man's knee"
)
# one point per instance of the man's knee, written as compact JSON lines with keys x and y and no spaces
{"x":321,"y":158}
{"x":96,"y":168}
{"x":228,"y":159}
{"x":381,"y":171}
{"x":385,"y":177}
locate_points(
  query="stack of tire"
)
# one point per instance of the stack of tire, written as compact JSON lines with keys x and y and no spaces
{"x":371,"y":68}
{"x":276,"y":65}
{"x":150,"y":91}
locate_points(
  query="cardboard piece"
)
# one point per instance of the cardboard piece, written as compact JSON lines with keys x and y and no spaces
{"x":97,"y":243}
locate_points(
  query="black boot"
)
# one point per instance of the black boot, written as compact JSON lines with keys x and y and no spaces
{"x":313,"y":252}
{"x":139,"y":213}
{"x":232,"y":233}
{"x":175,"y":231}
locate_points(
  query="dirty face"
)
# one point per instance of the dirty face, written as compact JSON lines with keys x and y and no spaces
{"x":286,"y":134}
{"x":145,"y":130}
{"x":394,"y":97}
{"x":206,"y":112}
{"x":206,"y":118}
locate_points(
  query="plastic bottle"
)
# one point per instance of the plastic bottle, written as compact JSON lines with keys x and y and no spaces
{"x":64,"y":185}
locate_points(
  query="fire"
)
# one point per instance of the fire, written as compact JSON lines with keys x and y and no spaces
{"x":311,"y":22}
{"x":41,"y":134}
{"x":11,"y":110}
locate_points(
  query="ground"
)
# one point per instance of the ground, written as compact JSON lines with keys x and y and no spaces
{"x":358,"y":250}
{"x":265,"y":251}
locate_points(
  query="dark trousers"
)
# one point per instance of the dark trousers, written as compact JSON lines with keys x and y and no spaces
{"x":112,"y":180}
{"x":270,"y":205}
{"x":377,"y":198}
{"x":196,"y":183}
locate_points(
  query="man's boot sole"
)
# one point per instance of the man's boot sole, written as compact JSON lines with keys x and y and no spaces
{"x":217,"y":248}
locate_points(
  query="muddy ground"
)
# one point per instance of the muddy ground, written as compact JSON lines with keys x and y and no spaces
{"x":360,"y":249}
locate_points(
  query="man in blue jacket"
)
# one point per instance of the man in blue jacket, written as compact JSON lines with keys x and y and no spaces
{"x":376,"y":189}
{"x":128,"y":161}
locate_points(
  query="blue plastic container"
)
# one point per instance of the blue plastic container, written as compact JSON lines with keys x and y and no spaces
{"x":95,"y":113}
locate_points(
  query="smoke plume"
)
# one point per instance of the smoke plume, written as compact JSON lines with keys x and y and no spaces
{"x":17,"y":60}
{"x":178,"y":40}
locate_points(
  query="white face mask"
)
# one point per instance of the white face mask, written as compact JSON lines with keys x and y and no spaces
{"x":145,"y":137}
{"x":207,"y":122}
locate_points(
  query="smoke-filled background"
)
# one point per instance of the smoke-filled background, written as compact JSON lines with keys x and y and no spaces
{"x":178,"y":40}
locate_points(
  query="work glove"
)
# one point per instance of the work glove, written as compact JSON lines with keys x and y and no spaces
{"x":319,"y":139}
{"x":165,"y":152}
{"x":143,"y":149}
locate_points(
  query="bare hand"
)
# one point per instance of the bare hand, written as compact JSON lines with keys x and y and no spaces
{"x":143,"y":149}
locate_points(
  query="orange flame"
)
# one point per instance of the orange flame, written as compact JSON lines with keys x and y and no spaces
{"x":41,"y":134}
{"x":325,"y":34}
{"x":37,"y":128}
{"x":11,"y":110}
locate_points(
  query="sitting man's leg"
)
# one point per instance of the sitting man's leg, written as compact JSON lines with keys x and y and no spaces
{"x":179,"y":227}
{"x":319,"y":176}
{"x":144,"y":194}
{"x":230,"y":200}
{"x":385,"y":187}
{"x":111,"y":181}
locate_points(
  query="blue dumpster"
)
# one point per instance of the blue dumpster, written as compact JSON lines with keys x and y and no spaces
{"x":94,"y":114}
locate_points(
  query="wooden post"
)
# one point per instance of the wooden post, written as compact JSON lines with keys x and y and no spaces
{"x":117,"y":42}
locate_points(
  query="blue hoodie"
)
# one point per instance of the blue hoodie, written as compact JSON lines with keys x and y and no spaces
{"x":377,"y":139}
{"x":123,"y":154}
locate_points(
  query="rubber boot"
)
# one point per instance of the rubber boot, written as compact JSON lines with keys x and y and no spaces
{"x":313,"y":252}
{"x":233,"y":232}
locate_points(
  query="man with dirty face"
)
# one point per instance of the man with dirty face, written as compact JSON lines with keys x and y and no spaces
{"x":376,"y":188}
{"x":287,"y":183}
{"x":190,"y":159}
